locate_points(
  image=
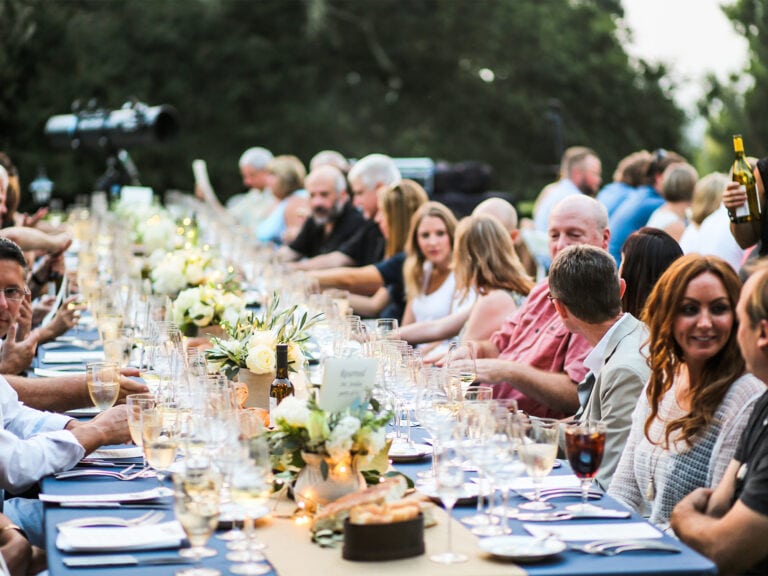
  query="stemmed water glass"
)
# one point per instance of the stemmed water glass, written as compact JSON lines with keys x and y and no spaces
{"x":103,"y":381}
{"x":538,"y":451}
{"x":196,"y":505}
{"x":584,"y":446}
{"x":449,"y":486}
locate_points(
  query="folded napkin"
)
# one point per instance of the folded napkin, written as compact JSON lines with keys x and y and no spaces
{"x":556,"y":481}
{"x":113,"y":539}
{"x":583,"y":531}
{"x":65,"y":357}
{"x":151,"y":494}
{"x":116,"y":453}
{"x":48,"y":373}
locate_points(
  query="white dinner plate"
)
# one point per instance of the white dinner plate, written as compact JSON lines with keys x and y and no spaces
{"x":468,"y":496}
{"x":412,"y":453}
{"x":521,"y":548}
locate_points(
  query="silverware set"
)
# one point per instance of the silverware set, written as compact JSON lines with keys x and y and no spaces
{"x":553,"y":493}
{"x":125,"y":474}
{"x":614,"y":547}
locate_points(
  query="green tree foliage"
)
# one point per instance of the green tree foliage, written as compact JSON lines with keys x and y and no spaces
{"x":736,"y":106}
{"x":404,"y":77}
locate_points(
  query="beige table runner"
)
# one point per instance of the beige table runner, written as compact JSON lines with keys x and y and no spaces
{"x":292,"y":552}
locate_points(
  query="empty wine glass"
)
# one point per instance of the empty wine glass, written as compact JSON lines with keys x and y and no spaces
{"x":538,"y":451}
{"x":584,"y":446}
{"x":449,"y":486}
{"x":196,"y":505}
{"x":387,"y":329}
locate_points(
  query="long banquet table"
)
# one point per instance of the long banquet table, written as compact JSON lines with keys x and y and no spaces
{"x":291,"y":551}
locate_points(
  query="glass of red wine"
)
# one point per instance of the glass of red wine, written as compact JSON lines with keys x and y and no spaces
{"x":584,"y":446}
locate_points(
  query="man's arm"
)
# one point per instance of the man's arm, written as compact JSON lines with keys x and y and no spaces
{"x":334,"y":259}
{"x":432,"y":330}
{"x":734,"y":542}
{"x":365,"y":280}
{"x":109,"y":427}
{"x":287,"y":254}
{"x":62,"y":393}
{"x":555,"y":390}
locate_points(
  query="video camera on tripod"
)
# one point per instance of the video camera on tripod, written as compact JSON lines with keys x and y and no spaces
{"x":134,"y":124}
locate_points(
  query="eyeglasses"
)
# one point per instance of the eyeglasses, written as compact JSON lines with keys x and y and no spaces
{"x":14,"y":294}
{"x":552,"y":298}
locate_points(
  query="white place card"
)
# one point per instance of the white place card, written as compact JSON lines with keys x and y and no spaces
{"x":139,"y":195}
{"x":159,"y":492}
{"x":604,"y":531}
{"x":65,"y":357}
{"x":346,"y":380}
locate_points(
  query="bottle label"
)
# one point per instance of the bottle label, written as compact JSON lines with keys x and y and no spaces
{"x":272,"y":406}
{"x":743,"y":211}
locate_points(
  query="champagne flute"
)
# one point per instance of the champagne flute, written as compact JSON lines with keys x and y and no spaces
{"x":103,"y":381}
{"x":538,"y":451}
{"x":449,"y":485}
{"x":461,"y":364}
{"x":584,"y":446}
{"x":196,"y":505}
{"x":136,"y":404}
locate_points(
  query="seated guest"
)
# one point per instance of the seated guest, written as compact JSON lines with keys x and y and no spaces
{"x":698,"y":398}
{"x":486,"y":264}
{"x":729,"y":524}
{"x":586,"y":293}
{"x":430,"y":284}
{"x":367,"y":178}
{"x":628,"y":176}
{"x":645,"y":256}
{"x":330,"y":158}
{"x":677,"y":185}
{"x":331,"y":236}
{"x":282,"y":222}
{"x":379,"y":289}
{"x":533,"y":357}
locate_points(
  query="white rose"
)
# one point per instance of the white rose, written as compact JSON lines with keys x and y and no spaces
{"x":201,"y":314}
{"x":295,"y":355}
{"x":262,"y":338}
{"x":293,"y":411}
{"x":261,"y":359}
{"x":340,"y":441}
{"x":195,"y":272}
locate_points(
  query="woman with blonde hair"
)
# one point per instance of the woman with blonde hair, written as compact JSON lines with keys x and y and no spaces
{"x":378,"y":289}
{"x":286,"y":180}
{"x":698,"y":398}
{"x":429,"y":280}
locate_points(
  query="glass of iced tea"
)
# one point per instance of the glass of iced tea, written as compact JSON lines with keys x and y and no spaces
{"x":584,"y":446}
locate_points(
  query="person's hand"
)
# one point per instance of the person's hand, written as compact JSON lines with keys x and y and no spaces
{"x":32,"y":220}
{"x":66,"y":317}
{"x":128,"y":384}
{"x":733,"y":196}
{"x":41,"y":307}
{"x":16,"y":356}
{"x":112,"y":425}
{"x":24,"y":320}
{"x":16,"y":551}
{"x":694,"y":503}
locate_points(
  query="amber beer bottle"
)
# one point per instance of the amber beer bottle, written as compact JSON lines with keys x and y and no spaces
{"x":742,"y":173}
{"x":281,"y":386}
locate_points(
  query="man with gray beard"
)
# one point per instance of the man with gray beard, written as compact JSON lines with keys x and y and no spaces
{"x":331,"y":236}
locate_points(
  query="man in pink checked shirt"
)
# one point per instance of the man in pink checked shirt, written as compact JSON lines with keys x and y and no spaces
{"x":533,"y":358}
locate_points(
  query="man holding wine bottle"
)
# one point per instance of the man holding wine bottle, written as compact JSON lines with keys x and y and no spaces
{"x":729,"y":524}
{"x":586,"y":291}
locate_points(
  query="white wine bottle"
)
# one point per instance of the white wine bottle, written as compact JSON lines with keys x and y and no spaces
{"x":281,"y":387}
{"x":742,"y":173}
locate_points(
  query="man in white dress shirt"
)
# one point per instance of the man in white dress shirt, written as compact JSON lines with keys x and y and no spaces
{"x":34,"y":444}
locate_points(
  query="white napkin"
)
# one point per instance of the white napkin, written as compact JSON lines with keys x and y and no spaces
{"x":65,"y":357}
{"x":158,"y":492}
{"x":605,"y":531}
{"x":101,"y":539}
{"x":83,"y":412}
{"x":556,"y":481}
{"x":48,"y":373}
{"x":57,"y":303}
{"x":116,"y":453}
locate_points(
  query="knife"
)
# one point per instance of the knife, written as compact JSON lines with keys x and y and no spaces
{"x":123,"y":560}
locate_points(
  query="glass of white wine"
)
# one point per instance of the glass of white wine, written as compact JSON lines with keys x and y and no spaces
{"x":103,"y":381}
{"x":538,"y":451}
{"x":160,"y":431}
{"x":136,"y":404}
{"x":461,"y":364}
{"x":196,"y":505}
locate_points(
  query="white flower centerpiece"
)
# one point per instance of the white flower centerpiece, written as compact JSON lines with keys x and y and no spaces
{"x":327,"y":451}
{"x":174,"y":271}
{"x":205,"y":306}
{"x":250,"y":346}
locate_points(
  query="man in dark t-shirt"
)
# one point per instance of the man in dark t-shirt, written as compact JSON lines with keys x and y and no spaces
{"x":337,"y":234}
{"x":729,"y":524}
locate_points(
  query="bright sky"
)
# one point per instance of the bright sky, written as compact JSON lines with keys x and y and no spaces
{"x":693,"y":37}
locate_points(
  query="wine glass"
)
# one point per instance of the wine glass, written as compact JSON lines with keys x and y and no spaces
{"x":103,"y":381}
{"x":461,"y":364}
{"x":160,"y":430}
{"x":387,"y":329}
{"x":538,"y":451}
{"x":584,"y":446}
{"x":196,"y":505}
{"x":136,"y":404}
{"x":449,"y":486}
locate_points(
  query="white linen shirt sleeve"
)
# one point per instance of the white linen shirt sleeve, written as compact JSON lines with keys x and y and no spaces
{"x":33,"y":443}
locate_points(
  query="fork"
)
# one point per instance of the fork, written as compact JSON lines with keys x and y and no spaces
{"x":147,"y":519}
{"x":121,"y":475}
{"x":614,"y":547}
